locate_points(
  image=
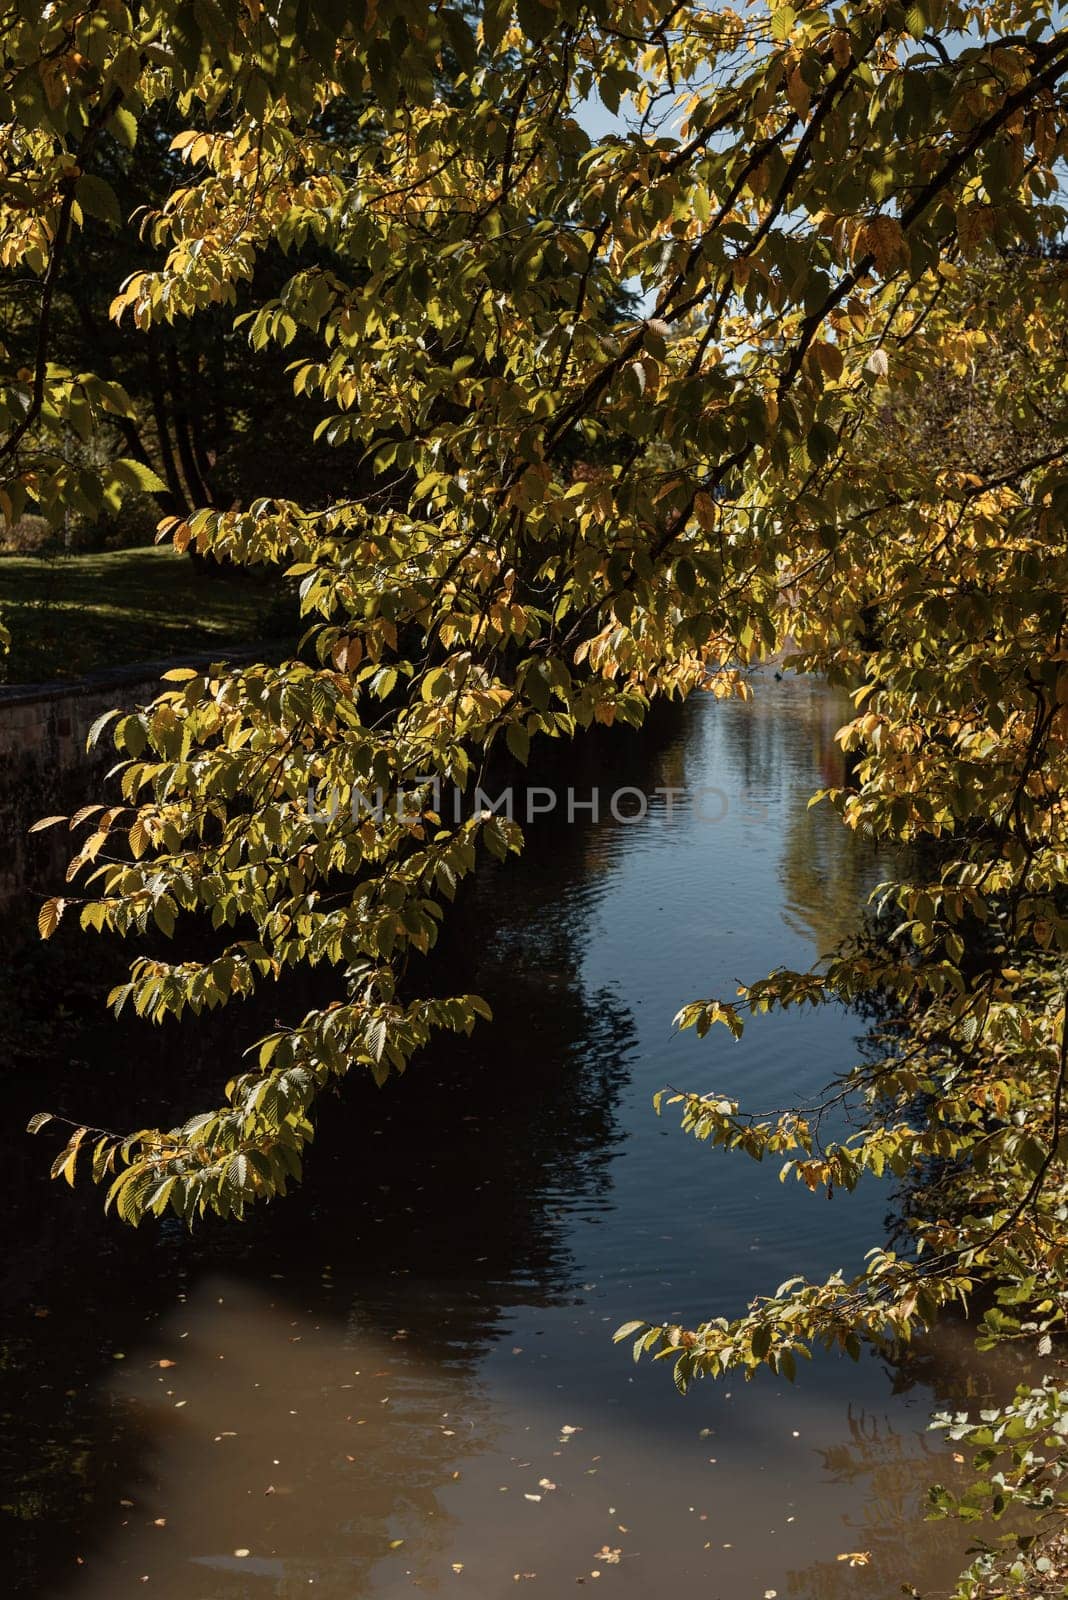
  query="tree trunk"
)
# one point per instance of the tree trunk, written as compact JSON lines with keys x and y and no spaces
{"x":170,"y":504}
{"x":159,"y":411}
{"x":199,"y":492}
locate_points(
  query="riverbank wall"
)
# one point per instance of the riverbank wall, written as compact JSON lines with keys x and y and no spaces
{"x":47,"y":770}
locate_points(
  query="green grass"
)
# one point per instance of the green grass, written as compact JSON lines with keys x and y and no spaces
{"x":68,"y":615}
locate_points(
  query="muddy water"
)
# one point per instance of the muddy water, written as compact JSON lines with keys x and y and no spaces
{"x":401,"y":1379}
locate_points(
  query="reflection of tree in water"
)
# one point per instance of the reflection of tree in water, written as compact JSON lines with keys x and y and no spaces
{"x":344,"y":1438}
{"x":460,"y":1165}
{"x":784,"y":731}
{"x":893,"y":1472}
{"x":888,"y":1473}
{"x":827,"y":872}
{"x":435,"y":1201}
{"x":781,"y":744}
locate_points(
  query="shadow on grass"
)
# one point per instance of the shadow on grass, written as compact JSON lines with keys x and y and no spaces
{"x":72,"y":614}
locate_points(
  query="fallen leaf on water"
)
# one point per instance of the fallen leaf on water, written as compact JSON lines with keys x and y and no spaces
{"x":547,"y":1484}
{"x":395,"y":1544}
{"x":457,"y":1566}
{"x":609,"y":1556}
{"x":160,"y":1522}
{"x":532,"y":1497}
{"x":164,"y":1363}
{"x":241,"y":1553}
{"x":856,"y":1558}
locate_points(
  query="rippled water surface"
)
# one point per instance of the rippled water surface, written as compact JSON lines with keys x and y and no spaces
{"x":402,"y":1378}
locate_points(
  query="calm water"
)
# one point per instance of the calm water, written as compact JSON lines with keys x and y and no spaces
{"x":402,"y":1379}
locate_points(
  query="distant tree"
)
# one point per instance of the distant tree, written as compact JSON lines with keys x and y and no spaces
{"x":206,"y":420}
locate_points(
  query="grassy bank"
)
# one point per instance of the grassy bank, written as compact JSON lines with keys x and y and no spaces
{"x":70,"y":614}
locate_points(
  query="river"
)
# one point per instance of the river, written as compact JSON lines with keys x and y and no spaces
{"x":401,"y":1379}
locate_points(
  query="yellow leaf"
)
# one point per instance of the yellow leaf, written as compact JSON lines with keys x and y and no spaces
{"x":882,"y":237}
{"x":797,"y":93}
{"x":831,"y":360}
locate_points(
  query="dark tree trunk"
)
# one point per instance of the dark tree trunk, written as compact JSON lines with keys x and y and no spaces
{"x":170,"y":504}
{"x":198,"y":388}
{"x":199,"y":492}
{"x":159,"y":411}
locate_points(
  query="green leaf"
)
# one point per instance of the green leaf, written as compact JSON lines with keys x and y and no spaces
{"x":136,"y":475}
{"x":783,"y":19}
{"x":97,"y":197}
{"x":97,"y":727}
{"x":518,"y":741}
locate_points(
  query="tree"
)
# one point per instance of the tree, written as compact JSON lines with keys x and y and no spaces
{"x":573,"y":511}
{"x":202,"y":414}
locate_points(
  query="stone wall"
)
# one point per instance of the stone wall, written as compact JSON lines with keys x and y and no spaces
{"x":45,"y":770}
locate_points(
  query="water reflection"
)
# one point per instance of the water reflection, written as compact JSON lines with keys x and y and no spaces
{"x":888,"y":1533}
{"x":401,"y":1378}
{"x":286,"y":1450}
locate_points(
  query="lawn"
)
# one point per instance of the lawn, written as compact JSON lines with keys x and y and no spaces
{"x":70,"y":614}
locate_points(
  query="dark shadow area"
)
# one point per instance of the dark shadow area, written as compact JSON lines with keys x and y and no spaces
{"x":452,"y":1172}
